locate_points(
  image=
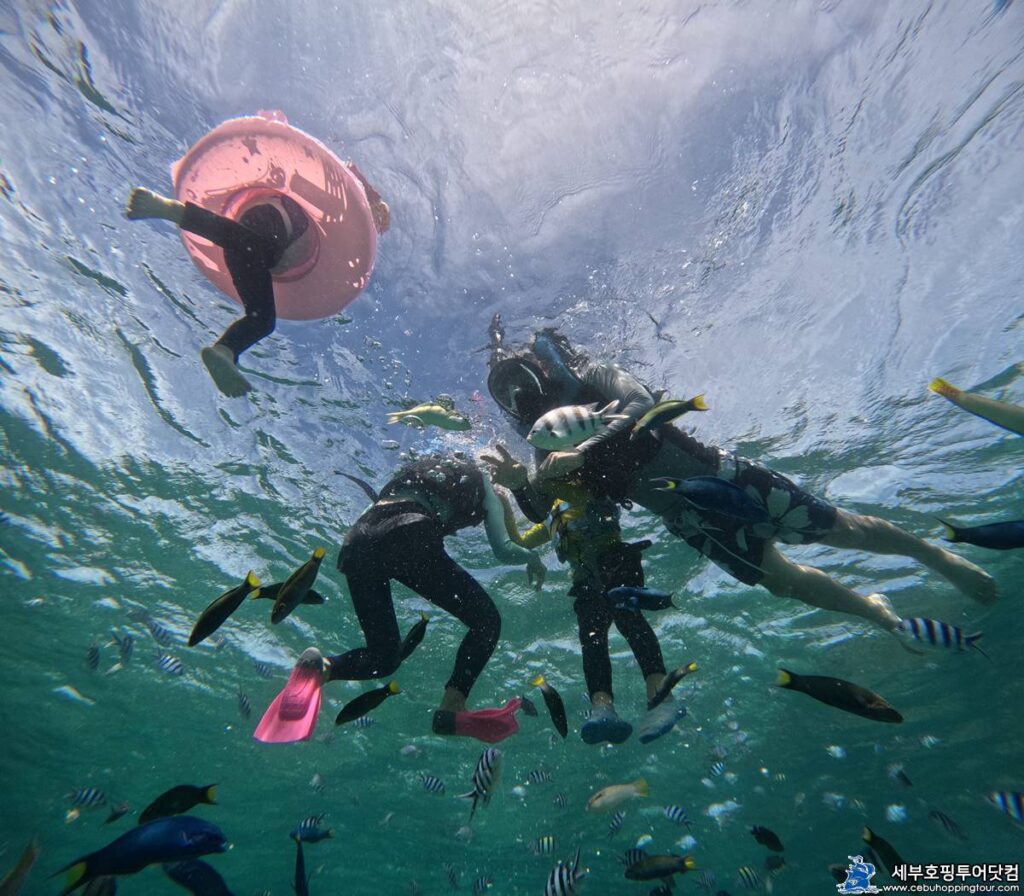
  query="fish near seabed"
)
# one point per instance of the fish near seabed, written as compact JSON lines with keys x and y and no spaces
{"x":841,"y":694}
{"x":613,"y":796}
{"x":570,"y":426}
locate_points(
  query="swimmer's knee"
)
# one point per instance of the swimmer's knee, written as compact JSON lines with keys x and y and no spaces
{"x":264,"y":324}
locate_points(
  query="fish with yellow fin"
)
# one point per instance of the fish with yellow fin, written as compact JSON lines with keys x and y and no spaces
{"x":614,"y":795}
{"x":554,"y":703}
{"x":665,"y":412}
{"x":431,"y":414}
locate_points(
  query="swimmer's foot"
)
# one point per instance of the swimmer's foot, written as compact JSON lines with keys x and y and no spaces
{"x":220,"y":361}
{"x":489,"y":725}
{"x":143,"y":203}
{"x":972,"y":580}
{"x":605,"y":727}
{"x":882,"y":612}
{"x":660,"y":720}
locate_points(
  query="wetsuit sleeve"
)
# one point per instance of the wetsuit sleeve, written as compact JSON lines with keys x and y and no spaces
{"x":494,"y":525}
{"x":634,"y":399}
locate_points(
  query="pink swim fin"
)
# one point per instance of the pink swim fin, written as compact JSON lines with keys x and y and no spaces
{"x":292,"y":715}
{"x":489,"y":725}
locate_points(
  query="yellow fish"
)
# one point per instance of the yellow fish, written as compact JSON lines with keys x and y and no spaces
{"x":615,"y":795}
{"x":431,"y":415}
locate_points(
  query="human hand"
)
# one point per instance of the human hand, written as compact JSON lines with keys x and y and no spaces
{"x":381,"y":215}
{"x":506,"y":471}
{"x":535,"y":572}
{"x":559,"y":463}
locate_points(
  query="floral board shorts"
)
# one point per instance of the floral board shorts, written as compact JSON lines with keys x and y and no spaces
{"x":797,"y":517}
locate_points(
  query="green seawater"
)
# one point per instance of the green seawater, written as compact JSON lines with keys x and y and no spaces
{"x":803,"y":213}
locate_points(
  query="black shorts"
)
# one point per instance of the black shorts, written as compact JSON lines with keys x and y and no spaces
{"x":797,"y":517}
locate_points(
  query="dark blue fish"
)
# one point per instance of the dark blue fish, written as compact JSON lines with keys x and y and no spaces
{"x":627,"y":597}
{"x":716,"y":496}
{"x":309,"y":831}
{"x":528,"y":706}
{"x":301,"y":884}
{"x":997,"y":536}
{"x":199,"y":878}
{"x":163,"y":840}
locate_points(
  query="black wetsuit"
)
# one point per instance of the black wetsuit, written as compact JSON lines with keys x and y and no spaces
{"x":401,"y":537}
{"x":253,"y":246}
{"x":588,"y":537}
{"x":622,"y":469}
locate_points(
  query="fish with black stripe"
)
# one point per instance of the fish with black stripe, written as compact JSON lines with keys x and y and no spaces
{"x":616,"y":823}
{"x":939,"y":634}
{"x":563,"y":878}
{"x":678,"y":815}
{"x":950,"y":826}
{"x":486,"y":778}
{"x":542,"y":846}
{"x":569,"y":426}
{"x":432,"y":784}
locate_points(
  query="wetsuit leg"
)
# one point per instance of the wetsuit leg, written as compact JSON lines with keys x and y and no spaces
{"x":594,"y":618}
{"x":625,"y":567}
{"x":249,"y":256}
{"x":447,"y":585}
{"x":370,"y":588}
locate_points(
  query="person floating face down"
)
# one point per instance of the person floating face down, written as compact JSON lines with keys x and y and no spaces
{"x":270,"y":236}
{"x":588,"y":537}
{"x":400,"y":537}
{"x":527,"y":383}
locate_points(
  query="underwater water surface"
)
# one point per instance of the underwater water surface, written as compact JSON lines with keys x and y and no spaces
{"x":805,"y":211}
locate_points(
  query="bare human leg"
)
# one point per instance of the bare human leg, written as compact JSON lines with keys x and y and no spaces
{"x":784,"y":578}
{"x":878,"y":536}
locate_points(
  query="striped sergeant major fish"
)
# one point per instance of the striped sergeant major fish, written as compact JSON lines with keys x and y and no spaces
{"x":561,"y":800}
{"x":1010,"y":802}
{"x":569,"y":426}
{"x":432,"y":784}
{"x":482,"y":884}
{"x":539,"y":776}
{"x":88,"y":797}
{"x":542,"y":846}
{"x":616,"y":823}
{"x":950,"y":826}
{"x":563,"y":878}
{"x":244,"y":706}
{"x":706,"y":880}
{"x":749,"y":878}
{"x":486,"y":777}
{"x":678,"y":815}
{"x":160,"y":632}
{"x":939,"y":634}
{"x":309,"y":830}
{"x":170,"y":664}
{"x":453,"y":878}
{"x":717,"y":768}
{"x":125,"y":645}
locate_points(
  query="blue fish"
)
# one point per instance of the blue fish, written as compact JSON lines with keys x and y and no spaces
{"x":199,"y":878}
{"x":164,"y":840}
{"x":301,"y":884}
{"x":997,"y":536}
{"x":716,"y":495}
{"x":627,"y":597}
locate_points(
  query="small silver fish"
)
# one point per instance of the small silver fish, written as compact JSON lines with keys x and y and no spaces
{"x":87,"y":797}
{"x":542,"y":846}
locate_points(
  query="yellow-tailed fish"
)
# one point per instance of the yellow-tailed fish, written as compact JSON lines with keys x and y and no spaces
{"x":613,"y":796}
{"x":667,"y":411}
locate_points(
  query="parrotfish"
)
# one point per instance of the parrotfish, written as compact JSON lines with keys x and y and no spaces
{"x":996,"y":536}
{"x":665,"y":412}
{"x":715,"y":495}
{"x":659,"y":867}
{"x":671,"y":680}
{"x":366,"y":702}
{"x":217,"y":612}
{"x":293,"y":591}
{"x":177,"y":800}
{"x":432,"y":415}
{"x":553,"y":701}
{"x":163,"y":840}
{"x":841,"y":694}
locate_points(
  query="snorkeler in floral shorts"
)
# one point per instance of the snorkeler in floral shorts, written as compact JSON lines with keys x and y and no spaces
{"x":549,"y":374}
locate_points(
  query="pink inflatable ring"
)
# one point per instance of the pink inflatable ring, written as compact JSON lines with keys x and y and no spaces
{"x":246,"y":160}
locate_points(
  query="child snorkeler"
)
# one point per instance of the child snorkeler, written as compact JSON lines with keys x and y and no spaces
{"x":588,"y":537}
